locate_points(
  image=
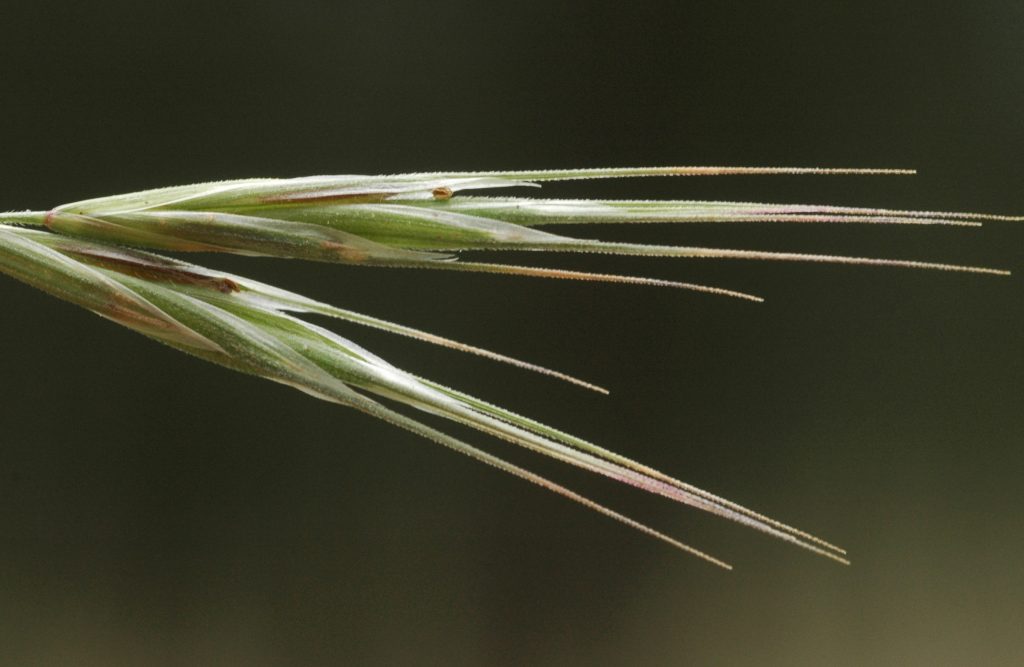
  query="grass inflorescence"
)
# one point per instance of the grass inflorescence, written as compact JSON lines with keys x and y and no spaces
{"x":98,"y":254}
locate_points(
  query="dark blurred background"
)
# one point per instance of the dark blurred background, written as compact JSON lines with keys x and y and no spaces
{"x":158,"y":510}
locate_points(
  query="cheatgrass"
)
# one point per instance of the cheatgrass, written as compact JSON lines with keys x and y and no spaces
{"x":98,"y":254}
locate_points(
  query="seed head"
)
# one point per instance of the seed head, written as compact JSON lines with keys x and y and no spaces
{"x":409,"y":220}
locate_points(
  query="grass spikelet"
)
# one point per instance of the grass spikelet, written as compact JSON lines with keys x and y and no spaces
{"x":78,"y":253}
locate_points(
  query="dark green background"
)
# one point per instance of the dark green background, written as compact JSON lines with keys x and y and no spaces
{"x":156,"y":510}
